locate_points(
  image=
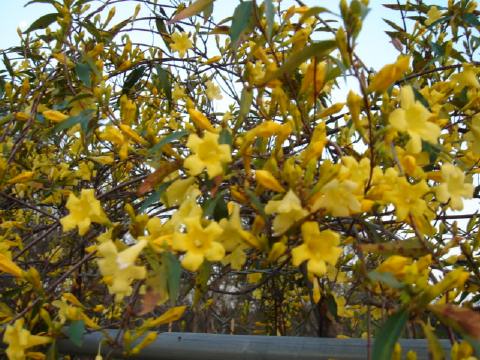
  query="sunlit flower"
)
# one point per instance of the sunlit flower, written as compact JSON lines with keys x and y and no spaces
{"x":181,"y":43}
{"x":119,"y":269}
{"x":208,"y":153}
{"x":319,"y":248}
{"x":213,"y":91}
{"x":83,"y":211}
{"x":413,"y":118}
{"x":199,"y":243}
{"x":289,"y":210}
{"x":453,"y":187}
{"x":19,"y":340}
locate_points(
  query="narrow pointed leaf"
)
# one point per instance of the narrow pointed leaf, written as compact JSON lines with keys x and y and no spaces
{"x":42,"y":22}
{"x":241,"y":20}
{"x":76,"y":331}
{"x":83,"y":72}
{"x":388,"y":335}
{"x":270,"y":15}
{"x":196,"y":8}
{"x":318,"y":49}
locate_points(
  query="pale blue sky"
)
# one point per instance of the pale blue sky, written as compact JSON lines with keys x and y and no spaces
{"x":374,"y":46}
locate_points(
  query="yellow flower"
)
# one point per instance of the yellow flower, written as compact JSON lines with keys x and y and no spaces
{"x":289,"y":210}
{"x":83,"y":211}
{"x":208,"y":153}
{"x":338,"y":198}
{"x":317,"y":143}
{"x":433,"y":15}
{"x":199,"y":243}
{"x":159,"y":235}
{"x":55,"y":116}
{"x":407,"y":198}
{"x":178,"y":190}
{"x":319,"y":248}
{"x":180,"y":43}
{"x":466,"y":78}
{"x":268,"y":181}
{"x":115,"y":136}
{"x":200,"y":120}
{"x":213,"y":91}
{"x":8,"y":266}
{"x":412,"y":118}
{"x":20,"y":339}
{"x":235,"y":239}
{"x":119,"y":269}
{"x":473,"y":136}
{"x":389,"y":74}
{"x":453,"y":187}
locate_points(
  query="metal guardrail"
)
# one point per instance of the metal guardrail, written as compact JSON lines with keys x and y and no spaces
{"x":195,"y":346}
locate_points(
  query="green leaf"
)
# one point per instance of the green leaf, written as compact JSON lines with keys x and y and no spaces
{"x":314,"y":10}
{"x":471,"y":19}
{"x":52,"y":352}
{"x":474,"y":343}
{"x":225,"y":137}
{"x":256,"y":202}
{"x":241,"y":20}
{"x":164,"y":83}
{"x":246,"y":100}
{"x":318,"y":49}
{"x":162,"y":30}
{"x":155,"y":197}
{"x":41,"y":2}
{"x":388,"y":335}
{"x":133,"y":78}
{"x":386,"y":278}
{"x":216,"y":208}
{"x":83,"y":72}
{"x":76,"y":331}
{"x":8,"y":65}
{"x":419,"y":97}
{"x":207,"y":12}
{"x":174,"y":272}
{"x":433,"y":152}
{"x":192,"y":10}
{"x":83,"y":119}
{"x":167,"y":140}
{"x":331,"y":305}
{"x":42,"y":22}
{"x":201,"y":281}
{"x":270,"y":15}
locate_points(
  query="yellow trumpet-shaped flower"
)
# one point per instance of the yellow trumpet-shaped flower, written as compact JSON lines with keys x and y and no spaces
{"x":199,"y":243}
{"x":119,"y":269}
{"x":20,"y":339}
{"x":339,"y":198}
{"x":208,"y":153}
{"x":55,"y":116}
{"x":267,"y":180}
{"x":8,"y":266}
{"x":473,"y":136}
{"x":235,"y":239}
{"x":213,"y":91}
{"x":412,"y":118}
{"x":408,"y":198}
{"x":319,"y":248}
{"x":453,"y":187}
{"x":389,"y":74}
{"x":200,"y":120}
{"x":433,"y":15}
{"x":181,"y":43}
{"x":288,"y":210}
{"x":83,"y":211}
